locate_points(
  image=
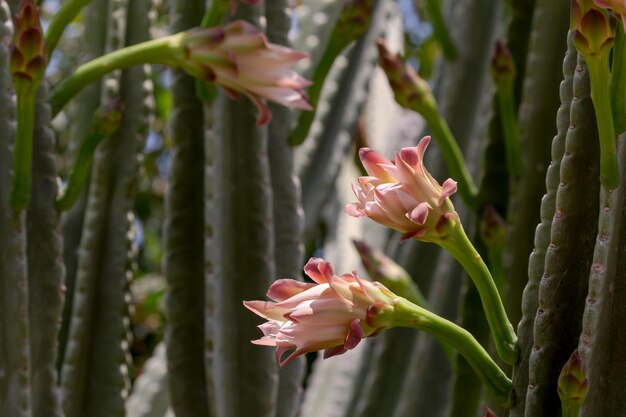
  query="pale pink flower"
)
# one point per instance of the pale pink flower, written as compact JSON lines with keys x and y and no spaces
{"x":618,"y":7}
{"x":402,"y":194}
{"x":333,"y":314}
{"x":239,"y":58}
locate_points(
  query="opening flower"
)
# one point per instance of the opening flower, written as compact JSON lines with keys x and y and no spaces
{"x":239,"y":58}
{"x":333,"y":314}
{"x":403,"y":195}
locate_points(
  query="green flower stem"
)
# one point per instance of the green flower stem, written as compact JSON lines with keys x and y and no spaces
{"x":569,"y":410}
{"x":505,"y":340}
{"x":452,"y":155}
{"x":66,"y":14}
{"x":618,"y":80}
{"x":158,"y":51}
{"x":301,"y":129}
{"x":407,"y":314}
{"x":433,"y":8}
{"x":82,"y":165}
{"x":601,"y":97}
{"x":215,"y":15}
{"x":23,"y":149}
{"x":506,"y":105}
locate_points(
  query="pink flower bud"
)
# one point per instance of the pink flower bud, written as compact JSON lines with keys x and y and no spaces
{"x":403,"y":196}
{"x":333,"y":314}
{"x":239,"y":58}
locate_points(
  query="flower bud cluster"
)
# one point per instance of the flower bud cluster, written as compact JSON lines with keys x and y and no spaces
{"x":28,"y":50}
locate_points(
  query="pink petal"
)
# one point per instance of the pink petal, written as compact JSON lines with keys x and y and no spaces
{"x":267,"y":310}
{"x":354,"y":210}
{"x":283,"y":289}
{"x":334,"y":351}
{"x":354,"y":336}
{"x":319,"y":270}
{"x":372,"y":163}
{"x":448,"y":188}
{"x":411,"y":156}
{"x":419,"y":214}
{"x":410,"y":235}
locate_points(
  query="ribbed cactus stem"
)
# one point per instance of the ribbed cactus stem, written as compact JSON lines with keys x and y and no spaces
{"x":183,"y":239}
{"x":601,"y":337}
{"x":542,"y":236}
{"x":243,"y":257}
{"x":287,"y":209}
{"x":95,"y":18}
{"x":539,"y":101}
{"x":46,"y":271}
{"x":563,"y":285}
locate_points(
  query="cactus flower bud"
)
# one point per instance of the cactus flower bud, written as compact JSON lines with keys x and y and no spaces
{"x":333,"y":314}
{"x":490,"y":413}
{"x":492,"y":228}
{"x":354,"y":18}
{"x":409,"y":89}
{"x":239,"y":58}
{"x":573,"y":384}
{"x":617,"y":6}
{"x":592,"y":28}
{"x":502,"y":65}
{"x":28,"y":51}
{"x":402,"y":195}
{"x":383,"y":269}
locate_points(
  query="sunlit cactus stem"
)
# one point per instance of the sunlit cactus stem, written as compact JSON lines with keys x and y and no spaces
{"x":28,"y":63}
{"x":594,"y":35}
{"x":352,"y":23}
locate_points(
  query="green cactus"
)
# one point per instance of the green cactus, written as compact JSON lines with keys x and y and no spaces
{"x":218,"y":203}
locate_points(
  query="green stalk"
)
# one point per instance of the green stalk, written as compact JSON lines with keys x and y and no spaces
{"x":60,"y":20}
{"x":23,"y":150}
{"x":505,"y":340}
{"x":80,"y":170}
{"x":601,"y":97}
{"x":452,"y":155}
{"x":410,"y":315}
{"x":433,"y":8}
{"x":216,"y":13}
{"x":157,"y":51}
{"x":506,"y":105}
{"x":618,"y":80}
{"x":569,"y":410}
